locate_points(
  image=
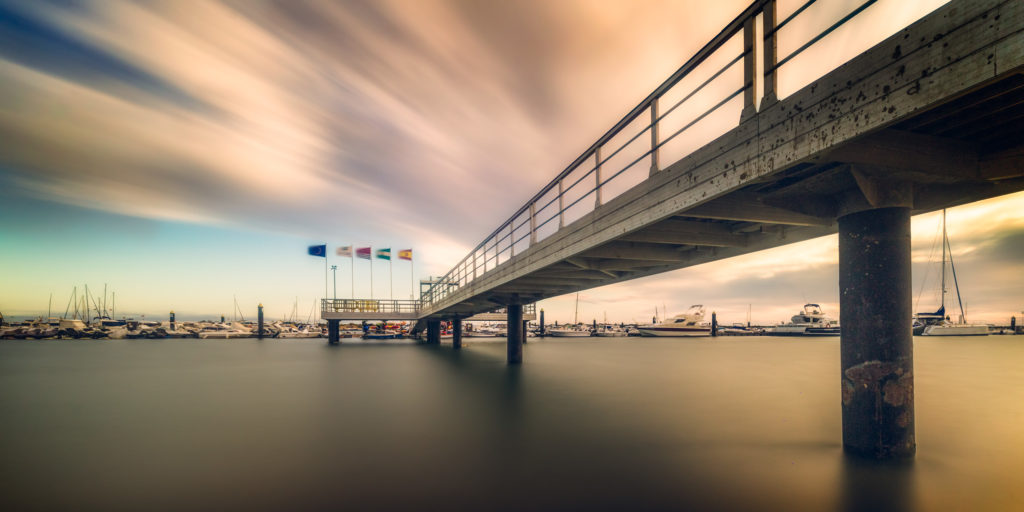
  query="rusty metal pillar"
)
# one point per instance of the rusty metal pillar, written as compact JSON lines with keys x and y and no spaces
{"x":514,"y":330}
{"x":457,"y":333}
{"x":433,"y":331}
{"x":876,"y":347}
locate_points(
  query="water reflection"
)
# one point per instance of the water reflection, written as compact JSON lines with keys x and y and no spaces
{"x":879,"y":486}
{"x":611,"y":424}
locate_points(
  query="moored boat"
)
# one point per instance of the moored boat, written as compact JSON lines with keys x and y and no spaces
{"x":689,"y":323}
{"x":810,"y":321}
{"x":938,"y":323}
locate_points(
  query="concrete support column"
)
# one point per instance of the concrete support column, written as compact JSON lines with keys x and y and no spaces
{"x":259,"y":321}
{"x":332,"y":331}
{"x":876,"y":347}
{"x":457,"y":333}
{"x":515,"y":333}
{"x":433,"y":331}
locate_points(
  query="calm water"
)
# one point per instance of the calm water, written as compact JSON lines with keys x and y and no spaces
{"x":729,"y":424}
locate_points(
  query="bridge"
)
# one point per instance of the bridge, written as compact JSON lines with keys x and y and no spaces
{"x":929,"y":118}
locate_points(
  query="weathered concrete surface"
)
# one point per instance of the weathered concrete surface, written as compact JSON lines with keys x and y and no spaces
{"x":876,"y":347}
{"x":514,"y":331}
{"x":781,"y":176}
{"x":457,"y":333}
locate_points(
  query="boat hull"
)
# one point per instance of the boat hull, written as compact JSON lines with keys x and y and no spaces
{"x":955,"y":330}
{"x":675,"y":332}
{"x":803,"y":331}
{"x":568,"y":334}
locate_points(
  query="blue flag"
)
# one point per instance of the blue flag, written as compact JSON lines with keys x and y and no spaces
{"x":318,"y":250}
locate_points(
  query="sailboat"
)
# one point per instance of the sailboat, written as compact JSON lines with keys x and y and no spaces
{"x":573,"y":330}
{"x":938,"y":323}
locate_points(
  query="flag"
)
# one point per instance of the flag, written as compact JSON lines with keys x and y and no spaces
{"x":405,"y":254}
{"x":384,"y":254}
{"x":345,"y":251}
{"x":318,"y":250}
{"x":363,"y":252}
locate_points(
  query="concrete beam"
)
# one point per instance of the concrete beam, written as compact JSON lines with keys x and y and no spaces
{"x":1003,"y":164}
{"x":636,"y":251}
{"x":656,"y":235}
{"x":908,"y":151}
{"x":747,"y":208}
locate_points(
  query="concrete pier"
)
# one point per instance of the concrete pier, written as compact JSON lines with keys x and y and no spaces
{"x":457,"y":333}
{"x":433,"y":331}
{"x":876,"y":347}
{"x":515,"y":333}
{"x":332,"y":331}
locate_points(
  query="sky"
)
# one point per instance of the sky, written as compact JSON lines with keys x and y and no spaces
{"x":184,"y":154}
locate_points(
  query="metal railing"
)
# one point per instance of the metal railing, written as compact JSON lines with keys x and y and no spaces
{"x":549,"y":205}
{"x":369,"y":306}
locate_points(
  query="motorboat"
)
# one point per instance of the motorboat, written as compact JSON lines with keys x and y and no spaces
{"x":304,"y":332}
{"x":224,"y":332}
{"x":609,"y":331}
{"x":688,"y":323}
{"x":387,"y":334}
{"x":568,"y":331}
{"x":810,"y":321}
{"x":939,"y":323}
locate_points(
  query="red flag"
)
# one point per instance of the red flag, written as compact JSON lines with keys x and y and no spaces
{"x":363,"y":252}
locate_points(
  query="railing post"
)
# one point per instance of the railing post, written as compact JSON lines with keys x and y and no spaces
{"x":474,"y":263}
{"x":771,"y":56}
{"x":533,"y":223}
{"x":511,"y":239}
{"x":561,"y":205}
{"x":597,"y":174}
{"x":655,"y":149}
{"x":749,"y":71}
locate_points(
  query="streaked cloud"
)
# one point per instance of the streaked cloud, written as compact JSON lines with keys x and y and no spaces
{"x":417,"y":122}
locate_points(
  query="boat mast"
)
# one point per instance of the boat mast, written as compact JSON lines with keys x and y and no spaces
{"x":945,"y":241}
{"x":960,"y":302}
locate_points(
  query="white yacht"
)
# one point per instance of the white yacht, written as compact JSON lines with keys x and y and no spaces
{"x":223,"y":332}
{"x":811,"y":321}
{"x":609,"y":331}
{"x":690,"y":323}
{"x":938,"y":323}
{"x":568,"y":331}
{"x":307,"y":331}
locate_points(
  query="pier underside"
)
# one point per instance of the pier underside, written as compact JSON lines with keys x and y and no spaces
{"x":928,"y":119}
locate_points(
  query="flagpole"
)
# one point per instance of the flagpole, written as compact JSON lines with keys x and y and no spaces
{"x":391,"y":278}
{"x":412,"y":279}
{"x":371,"y":274}
{"x":325,"y":271}
{"x":352,"y":268}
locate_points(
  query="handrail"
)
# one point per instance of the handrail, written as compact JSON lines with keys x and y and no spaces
{"x":502,"y":242}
